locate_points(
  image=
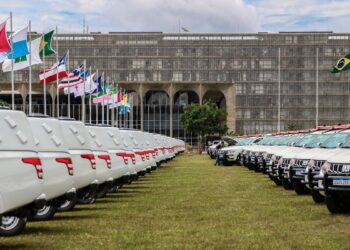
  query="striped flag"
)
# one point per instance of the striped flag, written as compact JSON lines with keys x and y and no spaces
{"x":58,"y":70}
{"x":72,"y":79}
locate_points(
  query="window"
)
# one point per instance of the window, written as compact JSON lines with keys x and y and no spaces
{"x":138,"y":64}
{"x":177,"y":76}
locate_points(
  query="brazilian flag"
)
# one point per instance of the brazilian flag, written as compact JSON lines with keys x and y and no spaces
{"x":342,"y":64}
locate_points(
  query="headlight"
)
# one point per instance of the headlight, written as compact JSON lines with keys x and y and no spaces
{"x":292,"y":162}
{"x":273,"y":158}
{"x":280,"y":161}
{"x":326,"y":167}
{"x":311,"y":164}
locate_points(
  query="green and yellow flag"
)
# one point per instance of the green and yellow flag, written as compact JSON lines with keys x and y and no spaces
{"x":342,"y":64}
{"x":45,"y":45}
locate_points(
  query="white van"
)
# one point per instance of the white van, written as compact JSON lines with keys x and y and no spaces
{"x":130,"y":144}
{"x":21,"y":174}
{"x":103,"y":144}
{"x":85,"y":180}
{"x":57,"y":165}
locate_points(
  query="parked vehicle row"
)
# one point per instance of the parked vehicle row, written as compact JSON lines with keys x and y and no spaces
{"x":314,"y":161}
{"x":49,"y":165}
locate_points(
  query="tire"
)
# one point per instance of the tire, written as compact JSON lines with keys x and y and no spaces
{"x":86,"y":197}
{"x":334,"y":204}
{"x":277,"y":181}
{"x":101,"y":191}
{"x":287,"y":185}
{"x":12,"y":225}
{"x":300,"y":188}
{"x":67,"y":205}
{"x":113,"y":189}
{"x":46,"y":213}
{"x":317,"y":197}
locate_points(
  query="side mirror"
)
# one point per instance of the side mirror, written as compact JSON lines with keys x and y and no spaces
{"x":319,"y":144}
{"x":292,"y":144}
{"x":339,"y":145}
{"x":305,"y":145}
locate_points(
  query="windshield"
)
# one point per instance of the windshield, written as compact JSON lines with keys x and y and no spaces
{"x":334,"y":140}
{"x":313,"y":140}
{"x":346,"y":144}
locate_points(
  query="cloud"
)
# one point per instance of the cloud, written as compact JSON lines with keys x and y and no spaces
{"x":301,"y":15}
{"x":135,"y":15}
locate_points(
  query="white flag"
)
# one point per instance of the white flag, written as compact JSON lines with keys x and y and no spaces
{"x":89,"y":86}
{"x":23,"y":62}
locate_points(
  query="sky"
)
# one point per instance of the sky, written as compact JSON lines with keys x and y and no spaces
{"x":169,"y":15}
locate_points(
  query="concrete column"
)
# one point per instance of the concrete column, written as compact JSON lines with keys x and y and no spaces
{"x":23,"y":91}
{"x":52,"y":92}
{"x":141,"y":93}
{"x":230,"y":98}
{"x":171,"y":100}
{"x":200,"y":93}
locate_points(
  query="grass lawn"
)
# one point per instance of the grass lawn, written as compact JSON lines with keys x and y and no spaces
{"x":187,"y":204}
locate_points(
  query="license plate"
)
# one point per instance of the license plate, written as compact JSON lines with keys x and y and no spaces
{"x":221,"y":156}
{"x":341,"y":182}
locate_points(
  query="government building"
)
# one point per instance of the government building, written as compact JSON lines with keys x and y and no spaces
{"x":265,"y":81}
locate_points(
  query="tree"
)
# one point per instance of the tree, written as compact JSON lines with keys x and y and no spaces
{"x":206,"y":119}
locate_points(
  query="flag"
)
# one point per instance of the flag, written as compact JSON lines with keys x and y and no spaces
{"x":99,"y":88}
{"x":4,"y":43}
{"x":185,"y":29}
{"x":72,"y":79}
{"x":117,"y":100}
{"x":45,"y":46}
{"x":83,"y":88}
{"x":103,"y":95}
{"x":126,"y":106}
{"x":23,"y":62}
{"x":19,"y":44}
{"x":342,"y":64}
{"x":51,"y":74}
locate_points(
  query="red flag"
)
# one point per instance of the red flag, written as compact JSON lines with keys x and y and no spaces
{"x":4,"y":43}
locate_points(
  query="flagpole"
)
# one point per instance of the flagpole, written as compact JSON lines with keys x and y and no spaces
{"x":83,"y":100}
{"x":116,"y":110}
{"x":44,"y":82}
{"x":68,"y":83}
{"x":107,"y":105}
{"x":12,"y":72}
{"x":90,"y":99}
{"x":112,"y":113}
{"x":103,"y":100}
{"x":57,"y":90}
{"x":96,"y":104}
{"x":316,"y":87}
{"x":30,"y":68}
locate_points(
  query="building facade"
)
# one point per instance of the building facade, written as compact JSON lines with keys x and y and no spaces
{"x":265,"y":81}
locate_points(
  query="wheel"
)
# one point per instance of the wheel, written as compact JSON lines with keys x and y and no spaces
{"x":316,"y":196}
{"x":287,"y":185}
{"x":227,"y":163}
{"x":86,"y":197}
{"x":334,"y":204}
{"x":300,"y":188}
{"x":67,"y":205}
{"x":12,"y":225}
{"x":46,"y":213}
{"x":113,"y":189}
{"x":101,"y":191}
{"x":277,"y":181}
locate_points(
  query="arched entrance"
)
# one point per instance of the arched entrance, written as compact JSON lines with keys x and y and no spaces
{"x":215,"y":96}
{"x":181,"y":99}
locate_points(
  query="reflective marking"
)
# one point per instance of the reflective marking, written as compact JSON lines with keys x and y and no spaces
{"x":110,"y":133}
{"x":56,"y":140}
{"x":21,"y":137}
{"x":73,"y":129}
{"x":10,"y":122}
{"x":81,"y":139}
{"x":47,"y":128}
{"x":92,"y":133}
